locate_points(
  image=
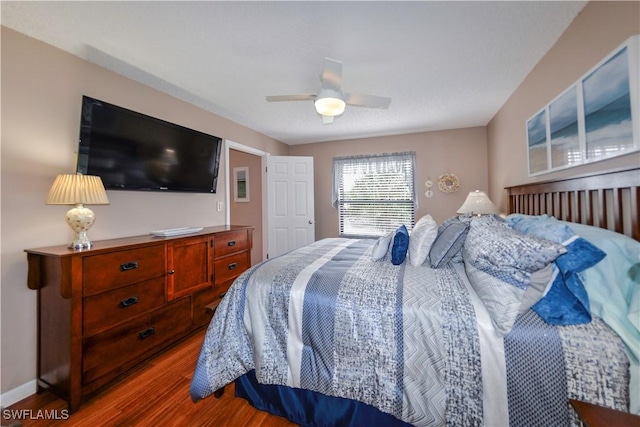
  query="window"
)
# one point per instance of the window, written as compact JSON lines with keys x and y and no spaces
{"x":374,"y":194}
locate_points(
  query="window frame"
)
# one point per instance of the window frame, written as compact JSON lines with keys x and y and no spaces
{"x":403,"y":164}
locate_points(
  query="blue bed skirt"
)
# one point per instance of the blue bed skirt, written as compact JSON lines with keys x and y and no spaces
{"x":309,"y":408}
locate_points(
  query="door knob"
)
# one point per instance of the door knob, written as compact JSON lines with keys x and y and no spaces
{"x":310,"y":222}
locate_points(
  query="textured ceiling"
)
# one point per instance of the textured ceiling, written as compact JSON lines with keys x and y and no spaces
{"x":444,"y":64}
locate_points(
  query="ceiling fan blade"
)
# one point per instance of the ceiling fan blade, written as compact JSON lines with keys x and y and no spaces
{"x":299,"y":97}
{"x":370,"y":101}
{"x":326,"y":120}
{"x":331,"y":76}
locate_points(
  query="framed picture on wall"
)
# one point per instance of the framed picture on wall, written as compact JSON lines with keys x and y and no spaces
{"x":564,"y":137}
{"x":537,"y":143}
{"x":241,"y":184}
{"x":597,"y":118}
{"x":607,"y":107}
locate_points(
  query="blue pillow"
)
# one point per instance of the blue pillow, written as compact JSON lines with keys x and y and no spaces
{"x":451,"y":236}
{"x":567,"y":302}
{"x":400,"y":245}
{"x":614,"y":289}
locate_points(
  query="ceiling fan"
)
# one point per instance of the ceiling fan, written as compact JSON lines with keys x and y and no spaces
{"x":330,"y":101}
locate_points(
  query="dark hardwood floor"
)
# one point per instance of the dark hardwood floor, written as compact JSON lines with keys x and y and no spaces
{"x":153,"y":394}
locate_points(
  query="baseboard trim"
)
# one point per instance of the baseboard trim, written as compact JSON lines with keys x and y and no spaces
{"x":17,"y":394}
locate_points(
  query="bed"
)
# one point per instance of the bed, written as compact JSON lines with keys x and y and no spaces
{"x":475,"y":321}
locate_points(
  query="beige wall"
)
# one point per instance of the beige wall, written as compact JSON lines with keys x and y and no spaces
{"x":596,"y":31}
{"x":248,"y":213}
{"x":461,"y":151}
{"x":41,"y":92}
{"x":42,"y":89}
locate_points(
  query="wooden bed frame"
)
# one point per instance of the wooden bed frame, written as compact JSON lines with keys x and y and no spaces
{"x":604,"y":199}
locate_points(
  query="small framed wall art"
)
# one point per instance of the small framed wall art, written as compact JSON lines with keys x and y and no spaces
{"x":241,"y":184}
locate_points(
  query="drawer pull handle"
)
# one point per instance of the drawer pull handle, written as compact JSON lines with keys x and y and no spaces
{"x":231,"y":243}
{"x":232,"y":266}
{"x":129,"y":266}
{"x":129,"y":301}
{"x":147,"y":333}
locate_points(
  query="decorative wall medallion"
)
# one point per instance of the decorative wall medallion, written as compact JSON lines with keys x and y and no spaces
{"x":428,"y":184}
{"x":448,"y":183}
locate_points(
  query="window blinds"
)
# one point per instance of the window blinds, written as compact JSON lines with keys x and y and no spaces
{"x":374,"y":194}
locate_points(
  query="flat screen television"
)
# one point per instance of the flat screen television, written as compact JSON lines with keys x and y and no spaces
{"x":133,"y":151}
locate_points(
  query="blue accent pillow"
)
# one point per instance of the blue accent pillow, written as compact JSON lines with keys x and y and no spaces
{"x":449,"y":241}
{"x":567,"y":302}
{"x":400,"y":245}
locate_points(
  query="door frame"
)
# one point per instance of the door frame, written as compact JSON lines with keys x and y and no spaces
{"x":227,"y":202}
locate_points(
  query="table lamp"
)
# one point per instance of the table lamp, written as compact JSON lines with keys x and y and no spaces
{"x":78,"y":190}
{"x":478,"y":203}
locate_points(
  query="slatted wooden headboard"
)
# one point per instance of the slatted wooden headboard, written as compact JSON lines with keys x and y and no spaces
{"x":606,"y":200}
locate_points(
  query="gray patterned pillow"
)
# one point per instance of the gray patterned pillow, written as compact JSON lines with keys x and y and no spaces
{"x":497,"y":249}
{"x":449,"y":241}
{"x":501,"y":299}
{"x":541,"y":280}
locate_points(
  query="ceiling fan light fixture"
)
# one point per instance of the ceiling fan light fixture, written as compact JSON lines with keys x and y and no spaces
{"x":329,"y":103}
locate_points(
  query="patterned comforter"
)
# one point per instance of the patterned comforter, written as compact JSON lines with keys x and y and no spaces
{"x":414,"y":342}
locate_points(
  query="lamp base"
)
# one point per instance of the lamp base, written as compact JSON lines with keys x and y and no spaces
{"x":80,"y":219}
{"x":80,"y":242}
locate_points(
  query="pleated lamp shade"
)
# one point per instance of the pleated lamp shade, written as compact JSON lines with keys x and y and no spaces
{"x":75,"y":189}
{"x":78,"y":190}
{"x":478,"y":203}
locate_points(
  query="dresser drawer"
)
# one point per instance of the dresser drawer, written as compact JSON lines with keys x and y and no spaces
{"x":117,"y":347}
{"x":108,"y":309}
{"x":230,"y":242}
{"x":230,"y":266}
{"x":210,"y":297}
{"x":109,"y":271}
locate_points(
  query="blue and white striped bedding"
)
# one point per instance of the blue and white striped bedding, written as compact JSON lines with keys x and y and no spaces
{"x":413,"y":342}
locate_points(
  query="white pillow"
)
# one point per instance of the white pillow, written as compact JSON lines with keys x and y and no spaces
{"x":381,"y":246}
{"x":422,"y":237}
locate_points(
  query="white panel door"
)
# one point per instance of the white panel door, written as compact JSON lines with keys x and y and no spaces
{"x":290,"y":203}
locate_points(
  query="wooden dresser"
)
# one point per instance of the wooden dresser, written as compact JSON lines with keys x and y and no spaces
{"x":103,"y":310}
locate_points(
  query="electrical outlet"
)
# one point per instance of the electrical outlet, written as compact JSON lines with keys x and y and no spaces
{"x":219,"y":206}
